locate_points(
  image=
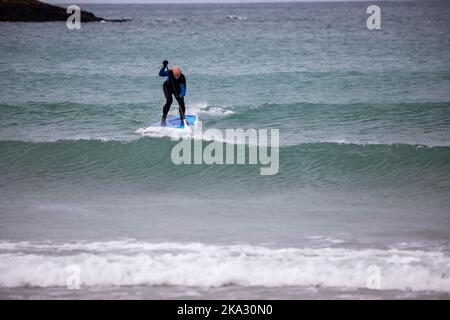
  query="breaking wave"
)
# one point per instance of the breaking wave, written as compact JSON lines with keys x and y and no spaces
{"x":130,"y":262}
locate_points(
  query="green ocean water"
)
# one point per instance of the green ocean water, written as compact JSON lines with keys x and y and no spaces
{"x":364,"y":171}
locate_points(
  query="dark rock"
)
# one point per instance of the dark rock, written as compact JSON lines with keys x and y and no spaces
{"x":36,"y":11}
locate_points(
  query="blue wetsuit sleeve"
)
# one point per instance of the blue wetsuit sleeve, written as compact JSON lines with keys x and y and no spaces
{"x":182,"y":90}
{"x":163,"y":72}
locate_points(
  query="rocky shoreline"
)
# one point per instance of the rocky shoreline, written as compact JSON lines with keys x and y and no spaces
{"x":37,"y":11}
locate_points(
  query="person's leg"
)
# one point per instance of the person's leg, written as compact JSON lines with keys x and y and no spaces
{"x":182,"y":108}
{"x":168,"y":94}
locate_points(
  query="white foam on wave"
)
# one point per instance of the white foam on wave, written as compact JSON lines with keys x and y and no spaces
{"x":358,"y":142}
{"x":235,"y":17}
{"x":200,"y":110}
{"x":159,"y":132}
{"x":189,"y":133}
{"x":203,"y":109}
{"x":130,"y":262}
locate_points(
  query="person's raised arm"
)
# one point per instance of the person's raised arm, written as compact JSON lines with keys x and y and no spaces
{"x":164,"y":72}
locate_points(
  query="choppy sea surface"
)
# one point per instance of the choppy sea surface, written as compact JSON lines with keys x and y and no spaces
{"x":363,"y":188}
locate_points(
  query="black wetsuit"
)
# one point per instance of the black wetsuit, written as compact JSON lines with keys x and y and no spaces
{"x":176,"y":87}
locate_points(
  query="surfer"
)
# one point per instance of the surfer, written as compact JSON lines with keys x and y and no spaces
{"x":174,"y":85}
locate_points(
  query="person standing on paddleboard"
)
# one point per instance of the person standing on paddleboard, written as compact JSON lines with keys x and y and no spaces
{"x":174,"y":85}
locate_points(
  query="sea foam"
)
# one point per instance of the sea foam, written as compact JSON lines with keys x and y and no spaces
{"x":130,"y":262}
